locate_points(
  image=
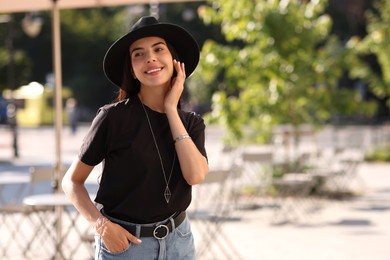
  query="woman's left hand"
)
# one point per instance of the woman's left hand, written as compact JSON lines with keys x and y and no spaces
{"x":173,"y":95}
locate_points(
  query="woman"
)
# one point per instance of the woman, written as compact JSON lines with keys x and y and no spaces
{"x":152,"y":151}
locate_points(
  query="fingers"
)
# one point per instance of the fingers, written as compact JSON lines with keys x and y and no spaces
{"x":179,"y":66}
{"x":181,"y":74}
{"x":177,"y":86}
{"x":133,"y":239}
{"x":115,"y":244}
{"x":117,"y":239}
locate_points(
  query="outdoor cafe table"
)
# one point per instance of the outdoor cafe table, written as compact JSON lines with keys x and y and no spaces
{"x":57,"y":228}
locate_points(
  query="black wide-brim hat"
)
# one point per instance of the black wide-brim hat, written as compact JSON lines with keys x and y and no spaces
{"x":185,"y":45}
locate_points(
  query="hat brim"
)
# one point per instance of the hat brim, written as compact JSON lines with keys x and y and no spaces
{"x":185,"y":45}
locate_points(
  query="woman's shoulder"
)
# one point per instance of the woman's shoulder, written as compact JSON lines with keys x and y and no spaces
{"x":190,"y":115}
{"x":118,"y":106}
{"x":191,"y":119}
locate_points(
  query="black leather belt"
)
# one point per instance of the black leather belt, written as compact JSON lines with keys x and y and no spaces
{"x":160,"y":231}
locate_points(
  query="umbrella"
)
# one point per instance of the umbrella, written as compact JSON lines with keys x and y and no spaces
{"x":36,"y":5}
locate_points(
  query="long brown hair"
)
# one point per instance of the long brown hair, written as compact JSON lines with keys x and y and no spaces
{"x":130,"y":85}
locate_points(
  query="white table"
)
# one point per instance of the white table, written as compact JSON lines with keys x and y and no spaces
{"x":49,"y":199}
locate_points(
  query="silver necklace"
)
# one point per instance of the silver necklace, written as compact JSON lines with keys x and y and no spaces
{"x":167,"y":191}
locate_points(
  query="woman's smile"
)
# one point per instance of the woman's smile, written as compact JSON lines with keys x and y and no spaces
{"x":153,"y":70}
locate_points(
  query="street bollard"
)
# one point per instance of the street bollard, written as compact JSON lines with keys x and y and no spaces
{"x":12,"y":122}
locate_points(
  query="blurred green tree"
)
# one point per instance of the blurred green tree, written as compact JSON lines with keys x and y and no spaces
{"x":280,"y":66}
{"x":86,"y":35}
{"x":15,"y":63}
{"x":372,"y":64}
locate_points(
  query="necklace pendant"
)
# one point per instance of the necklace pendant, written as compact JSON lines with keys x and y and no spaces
{"x":167,"y":194}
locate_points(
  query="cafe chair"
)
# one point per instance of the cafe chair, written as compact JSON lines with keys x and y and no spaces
{"x":212,"y":206}
{"x":292,"y":197}
{"x":17,"y":223}
{"x":257,"y":175}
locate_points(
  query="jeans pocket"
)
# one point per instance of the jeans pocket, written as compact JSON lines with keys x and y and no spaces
{"x":103,"y":253}
{"x":182,"y":243}
{"x":184,"y":229}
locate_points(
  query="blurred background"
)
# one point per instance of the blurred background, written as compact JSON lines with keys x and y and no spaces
{"x":295,"y":62}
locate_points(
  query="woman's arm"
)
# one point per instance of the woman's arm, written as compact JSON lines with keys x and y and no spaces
{"x":114,"y":236}
{"x":193,"y":164}
{"x":73,"y":186}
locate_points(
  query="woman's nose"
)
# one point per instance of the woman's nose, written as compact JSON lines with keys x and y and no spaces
{"x":150,"y":58}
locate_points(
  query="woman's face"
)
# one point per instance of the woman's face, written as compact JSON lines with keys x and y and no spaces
{"x":151,"y":61}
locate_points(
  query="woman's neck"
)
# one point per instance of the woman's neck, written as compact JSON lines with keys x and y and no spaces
{"x":153,"y":99}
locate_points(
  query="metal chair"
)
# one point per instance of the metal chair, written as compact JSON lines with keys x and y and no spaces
{"x":257,"y":175}
{"x":213,"y":205}
{"x":17,"y":221}
{"x":292,"y":198}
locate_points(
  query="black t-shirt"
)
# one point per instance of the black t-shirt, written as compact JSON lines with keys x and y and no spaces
{"x":132,"y":183}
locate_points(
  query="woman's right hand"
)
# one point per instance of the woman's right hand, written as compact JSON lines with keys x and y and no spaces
{"x":116,"y":238}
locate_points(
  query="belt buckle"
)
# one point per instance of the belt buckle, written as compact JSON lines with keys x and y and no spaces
{"x":160,"y":229}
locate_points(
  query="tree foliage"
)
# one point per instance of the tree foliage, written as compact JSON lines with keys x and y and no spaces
{"x":280,"y":66}
{"x":85,"y":36}
{"x":376,"y":44}
{"x":12,"y":57}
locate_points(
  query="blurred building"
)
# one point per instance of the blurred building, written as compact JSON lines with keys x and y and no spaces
{"x":35,"y":104}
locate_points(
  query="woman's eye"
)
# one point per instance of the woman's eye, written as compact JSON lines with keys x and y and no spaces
{"x":137,"y":54}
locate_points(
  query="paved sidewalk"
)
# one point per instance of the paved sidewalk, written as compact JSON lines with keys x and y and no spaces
{"x":354,"y":229}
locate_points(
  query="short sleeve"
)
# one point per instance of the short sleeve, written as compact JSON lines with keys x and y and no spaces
{"x":196,"y":127}
{"x":94,"y":146}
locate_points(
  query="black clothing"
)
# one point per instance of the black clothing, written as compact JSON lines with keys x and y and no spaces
{"x":132,"y":183}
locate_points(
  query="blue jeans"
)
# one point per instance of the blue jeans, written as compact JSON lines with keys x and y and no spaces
{"x":178,"y":245}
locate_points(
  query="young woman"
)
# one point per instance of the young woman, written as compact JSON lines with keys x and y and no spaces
{"x":152,"y":151}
